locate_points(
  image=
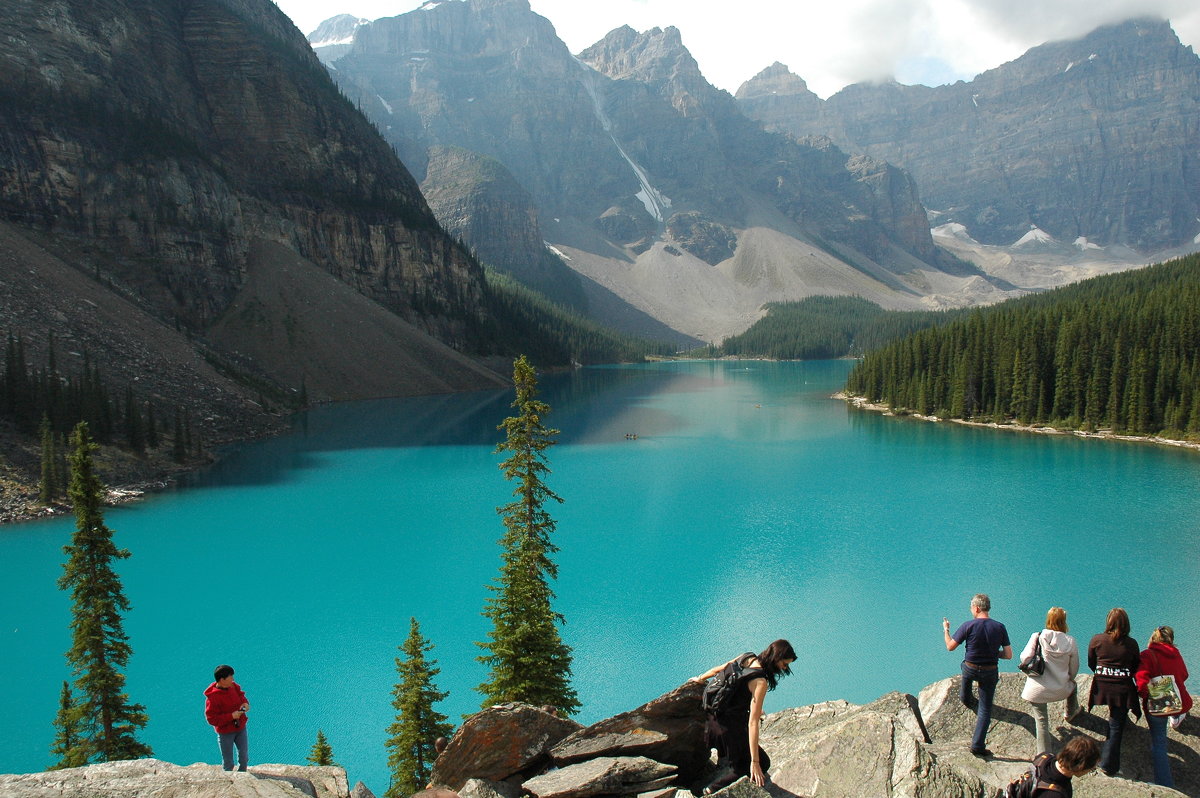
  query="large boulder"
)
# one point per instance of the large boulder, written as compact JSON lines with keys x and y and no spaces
{"x":607,"y":775}
{"x":499,"y":742}
{"x":151,"y":778}
{"x":839,"y":749}
{"x":668,"y":729}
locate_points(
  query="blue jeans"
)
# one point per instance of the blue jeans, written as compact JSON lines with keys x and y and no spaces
{"x":227,"y":742}
{"x":987,"y":679}
{"x":1158,"y":750}
{"x":1110,"y":754}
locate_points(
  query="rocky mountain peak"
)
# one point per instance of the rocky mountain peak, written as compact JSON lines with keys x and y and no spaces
{"x":503,"y":30}
{"x":775,"y":79}
{"x":655,"y":56}
{"x":1091,"y":137}
{"x":336,"y":30}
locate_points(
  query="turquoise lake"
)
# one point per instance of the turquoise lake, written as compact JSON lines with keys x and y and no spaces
{"x":751,"y":507}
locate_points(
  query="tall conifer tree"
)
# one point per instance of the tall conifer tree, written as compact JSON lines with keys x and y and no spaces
{"x":527,"y":658}
{"x":418,"y":725}
{"x":100,"y":648}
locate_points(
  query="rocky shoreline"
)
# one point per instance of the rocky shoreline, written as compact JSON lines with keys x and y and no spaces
{"x":899,"y":746}
{"x":862,"y":404}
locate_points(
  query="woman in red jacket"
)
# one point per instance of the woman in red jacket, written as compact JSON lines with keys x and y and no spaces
{"x":225,"y":708}
{"x":1162,"y":659}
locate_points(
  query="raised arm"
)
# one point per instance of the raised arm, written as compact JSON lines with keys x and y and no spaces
{"x":951,"y":643}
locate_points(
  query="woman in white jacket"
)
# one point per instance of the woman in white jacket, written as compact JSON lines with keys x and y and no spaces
{"x":1057,"y":682}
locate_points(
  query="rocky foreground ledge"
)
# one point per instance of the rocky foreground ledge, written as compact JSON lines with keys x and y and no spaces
{"x":899,"y":745}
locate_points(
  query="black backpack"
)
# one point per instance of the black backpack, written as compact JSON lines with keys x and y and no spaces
{"x":720,"y":688}
{"x":1025,"y":785}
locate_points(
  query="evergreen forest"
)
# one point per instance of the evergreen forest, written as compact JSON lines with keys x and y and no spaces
{"x":826,"y":327}
{"x":552,"y":334}
{"x":1119,"y":352}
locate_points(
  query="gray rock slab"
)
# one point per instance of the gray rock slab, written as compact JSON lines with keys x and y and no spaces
{"x":324,"y":781}
{"x":151,"y":778}
{"x":744,"y":788}
{"x":481,"y":788}
{"x":877,"y":750}
{"x":620,"y":775}
{"x":361,"y":790}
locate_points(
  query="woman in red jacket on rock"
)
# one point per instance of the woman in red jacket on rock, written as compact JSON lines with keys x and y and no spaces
{"x":225,"y":708}
{"x":1161,"y":658}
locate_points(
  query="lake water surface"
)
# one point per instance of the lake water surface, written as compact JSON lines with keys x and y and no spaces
{"x":750,"y":507}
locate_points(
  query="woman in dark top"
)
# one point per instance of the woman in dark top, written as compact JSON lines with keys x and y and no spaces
{"x":1054,"y":773}
{"x":1113,"y":656}
{"x":736,"y":734}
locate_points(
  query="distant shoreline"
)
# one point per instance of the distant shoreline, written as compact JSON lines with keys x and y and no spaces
{"x":862,"y":404}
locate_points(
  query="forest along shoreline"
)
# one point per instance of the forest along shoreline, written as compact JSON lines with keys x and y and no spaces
{"x":861,"y":403}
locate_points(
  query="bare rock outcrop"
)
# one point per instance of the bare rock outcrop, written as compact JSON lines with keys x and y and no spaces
{"x":668,"y":729}
{"x":151,"y":778}
{"x":499,"y":742}
{"x":898,"y":746}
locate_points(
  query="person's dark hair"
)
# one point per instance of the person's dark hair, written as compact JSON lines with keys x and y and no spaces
{"x":772,"y":660}
{"x":1079,"y":755}
{"x":221,"y":672}
{"x":1116,"y":625}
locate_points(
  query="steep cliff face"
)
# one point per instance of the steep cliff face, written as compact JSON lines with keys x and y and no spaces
{"x":640,"y":172}
{"x":479,"y":201}
{"x":172,"y":134}
{"x":1092,"y":138}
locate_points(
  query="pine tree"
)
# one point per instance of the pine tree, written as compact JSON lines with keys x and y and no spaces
{"x":527,"y":658}
{"x":99,"y":647}
{"x":418,"y":724}
{"x":49,"y":488}
{"x":179,"y":447}
{"x":67,"y":741}
{"x":322,"y":751}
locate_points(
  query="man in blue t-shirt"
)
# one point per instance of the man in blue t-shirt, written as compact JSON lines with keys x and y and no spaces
{"x":987,"y":644}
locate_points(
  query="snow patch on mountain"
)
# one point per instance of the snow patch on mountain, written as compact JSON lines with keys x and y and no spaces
{"x":655,"y":202}
{"x":336,"y":31}
{"x":953,"y":230}
{"x":1036,"y":235}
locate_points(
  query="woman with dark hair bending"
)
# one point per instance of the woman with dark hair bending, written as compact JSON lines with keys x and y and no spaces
{"x":734,"y":731}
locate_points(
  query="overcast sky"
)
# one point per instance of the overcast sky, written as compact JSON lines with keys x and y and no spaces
{"x":830,"y":43}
